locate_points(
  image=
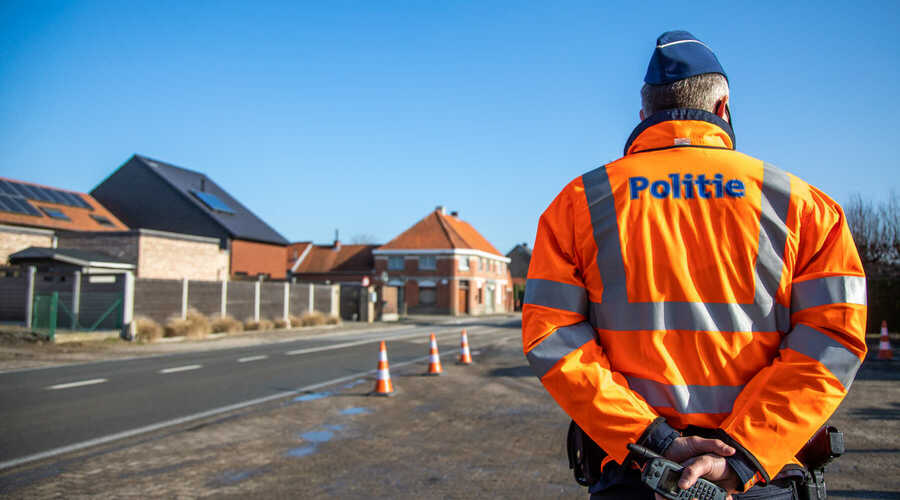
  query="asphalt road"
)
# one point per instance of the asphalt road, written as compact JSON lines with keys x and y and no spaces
{"x":53,"y":410}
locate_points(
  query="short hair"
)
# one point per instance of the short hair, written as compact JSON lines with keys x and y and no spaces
{"x":696,"y":92}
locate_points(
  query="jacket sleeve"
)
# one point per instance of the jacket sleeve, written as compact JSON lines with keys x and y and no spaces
{"x":789,"y":400}
{"x":561,"y":344}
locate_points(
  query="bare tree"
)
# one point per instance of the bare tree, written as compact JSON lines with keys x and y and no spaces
{"x":875,"y":229}
{"x":363,"y":239}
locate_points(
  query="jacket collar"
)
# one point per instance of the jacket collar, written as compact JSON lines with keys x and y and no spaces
{"x":680,"y":127}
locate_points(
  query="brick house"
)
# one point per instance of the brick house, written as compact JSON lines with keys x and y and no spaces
{"x":335,"y":263}
{"x":442,"y":265}
{"x":32,"y":215}
{"x":150,"y":194}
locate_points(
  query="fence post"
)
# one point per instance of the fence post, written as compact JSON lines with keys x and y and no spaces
{"x":29,"y":299}
{"x":128,"y":326}
{"x":184,"y":298}
{"x":256,"y":289}
{"x":76,"y":299}
{"x":224,"y":309}
{"x":336,"y":300}
{"x":312,"y":302}
{"x":54,"y":304}
{"x":287,"y":301}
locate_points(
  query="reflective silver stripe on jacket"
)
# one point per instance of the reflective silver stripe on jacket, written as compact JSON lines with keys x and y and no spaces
{"x":839,"y":360}
{"x":686,"y":398}
{"x":557,"y":295}
{"x":828,"y":290}
{"x":557,"y":345}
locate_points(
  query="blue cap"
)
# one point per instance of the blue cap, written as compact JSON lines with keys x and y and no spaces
{"x":679,"y":55}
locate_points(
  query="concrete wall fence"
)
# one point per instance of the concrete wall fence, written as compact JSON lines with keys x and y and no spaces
{"x":161,"y":299}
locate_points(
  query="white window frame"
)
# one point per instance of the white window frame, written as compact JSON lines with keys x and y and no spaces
{"x":391,"y":264}
{"x":432,"y":259}
{"x":463,"y":264}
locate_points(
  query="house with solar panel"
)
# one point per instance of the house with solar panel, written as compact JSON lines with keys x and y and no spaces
{"x":442,"y":265}
{"x":32,"y":215}
{"x":152,"y":195}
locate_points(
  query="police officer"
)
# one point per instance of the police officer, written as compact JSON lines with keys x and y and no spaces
{"x":692,"y":299}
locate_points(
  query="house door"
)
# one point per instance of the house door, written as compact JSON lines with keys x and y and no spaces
{"x":489,"y":299}
{"x":462,"y":304}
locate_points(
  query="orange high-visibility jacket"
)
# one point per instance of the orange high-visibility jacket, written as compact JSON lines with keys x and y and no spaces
{"x":695,"y":283}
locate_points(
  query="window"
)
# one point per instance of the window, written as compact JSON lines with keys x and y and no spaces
{"x":427,"y":262}
{"x":463,"y":263}
{"x":395,"y":263}
{"x":427,"y":296}
{"x":54,"y":213}
{"x":480,"y":264}
{"x":103,"y":221}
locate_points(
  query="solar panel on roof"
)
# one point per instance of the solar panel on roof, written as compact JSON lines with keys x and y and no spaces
{"x":18,"y":205}
{"x":6,"y":188}
{"x":57,"y":196}
{"x":213,"y":202}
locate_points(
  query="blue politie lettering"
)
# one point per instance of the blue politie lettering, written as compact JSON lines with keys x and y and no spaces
{"x":687,"y":186}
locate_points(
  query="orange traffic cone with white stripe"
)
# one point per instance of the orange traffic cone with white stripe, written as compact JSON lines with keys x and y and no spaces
{"x":884,"y":346}
{"x":383,"y":386}
{"x":465,"y":357}
{"x":434,"y":359}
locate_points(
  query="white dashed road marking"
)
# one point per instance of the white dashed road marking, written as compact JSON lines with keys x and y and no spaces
{"x":252,"y":358}
{"x":181,"y":369}
{"x":77,"y":384}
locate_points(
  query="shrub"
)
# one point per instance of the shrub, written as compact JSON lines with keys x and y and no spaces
{"x":281,"y":323}
{"x":312,"y":319}
{"x":194,"y":325}
{"x":333,"y":320}
{"x":147,"y":330}
{"x":296,"y":320}
{"x":263,"y":324}
{"x":226,"y":324}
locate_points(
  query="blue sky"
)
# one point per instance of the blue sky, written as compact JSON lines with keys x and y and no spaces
{"x":363,"y":116}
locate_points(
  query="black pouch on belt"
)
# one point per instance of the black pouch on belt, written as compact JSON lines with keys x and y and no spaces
{"x":585,"y":457}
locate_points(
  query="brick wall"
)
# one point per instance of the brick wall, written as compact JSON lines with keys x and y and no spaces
{"x":14,"y":241}
{"x":157,"y":255}
{"x":252,"y":258}
{"x":172,"y":258}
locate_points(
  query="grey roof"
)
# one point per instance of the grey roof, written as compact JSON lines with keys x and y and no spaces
{"x":242,"y":224}
{"x":72,"y":256}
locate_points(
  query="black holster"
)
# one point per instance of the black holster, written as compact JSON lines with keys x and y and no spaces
{"x":585,"y":457}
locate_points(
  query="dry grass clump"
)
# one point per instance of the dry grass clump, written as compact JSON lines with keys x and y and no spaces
{"x":295,"y":320}
{"x":147,"y":330}
{"x":194,"y":325}
{"x":263,"y":324}
{"x":281,"y":323}
{"x":312,"y":319}
{"x":226,"y":324}
{"x":332,"y":320}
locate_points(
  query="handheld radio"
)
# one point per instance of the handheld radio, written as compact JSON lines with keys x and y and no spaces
{"x":662,"y":476}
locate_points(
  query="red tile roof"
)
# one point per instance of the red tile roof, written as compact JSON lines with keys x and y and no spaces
{"x":80,"y":218}
{"x":440,"y":231}
{"x":331,"y":258}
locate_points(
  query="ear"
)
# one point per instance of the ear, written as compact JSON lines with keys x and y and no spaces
{"x":641,"y":114}
{"x":721,"y":109}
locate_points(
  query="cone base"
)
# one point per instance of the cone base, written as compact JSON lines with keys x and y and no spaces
{"x":464,"y":362}
{"x":382,"y":394}
{"x":434,"y":374}
{"x":885,"y":355}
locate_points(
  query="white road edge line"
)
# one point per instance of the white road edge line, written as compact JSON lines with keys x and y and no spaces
{"x":252,"y":358}
{"x":77,"y":384}
{"x":209,"y":413}
{"x":180,"y":369}
{"x":161,"y":425}
{"x":329,"y":347}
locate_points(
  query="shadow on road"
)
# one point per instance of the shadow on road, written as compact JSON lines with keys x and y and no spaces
{"x":861,"y":494}
{"x":879,"y":413}
{"x":512,"y":371}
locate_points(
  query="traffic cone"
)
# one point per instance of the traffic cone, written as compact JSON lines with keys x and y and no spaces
{"x":434,"y":359}
{"x":465,"y":357}
{"x":383,"y":386}
{"x":884,"y":346}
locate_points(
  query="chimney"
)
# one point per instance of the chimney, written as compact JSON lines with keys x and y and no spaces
{"x":337,"y":240}
{"x":454,"y":213}
{"x":441,"y":209}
